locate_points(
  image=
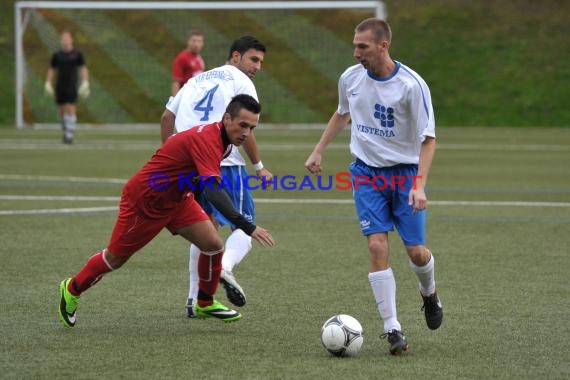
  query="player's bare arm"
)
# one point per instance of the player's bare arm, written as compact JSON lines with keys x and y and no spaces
{"x":250,"y":147}
{"x":175,"y":87}
{"x":336,"y":124}
{"x":51,"y":75}
{"x":50,"y":79}
{"x":167,"y":125}
{"x":84,"y":73}
{"x":417,"y":198}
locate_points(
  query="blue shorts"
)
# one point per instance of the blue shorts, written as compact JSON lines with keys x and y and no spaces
{"x":381,"y":200}
{"x":238,"y":192}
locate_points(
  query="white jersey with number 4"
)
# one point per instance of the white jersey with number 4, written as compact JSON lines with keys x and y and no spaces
{"x":204,"y":98}
{"x":391,"y":116}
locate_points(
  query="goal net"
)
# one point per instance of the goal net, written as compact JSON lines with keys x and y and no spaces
{"x":129,"y":48}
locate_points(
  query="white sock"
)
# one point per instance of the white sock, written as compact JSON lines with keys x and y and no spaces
{"x":238,"y":245}
{"x":383,"y":286}
{"x":69,"y":121}
{"x":426,"y":275}
{"x":193,"y":272}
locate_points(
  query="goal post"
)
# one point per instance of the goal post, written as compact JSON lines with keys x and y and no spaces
{"x":129,"y":47}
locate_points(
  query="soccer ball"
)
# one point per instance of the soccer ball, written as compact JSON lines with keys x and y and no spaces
{"x":342,"y":335}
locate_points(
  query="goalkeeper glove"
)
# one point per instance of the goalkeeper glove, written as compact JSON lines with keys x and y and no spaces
{"x":84,"y":89}
{"x":48,"y":88}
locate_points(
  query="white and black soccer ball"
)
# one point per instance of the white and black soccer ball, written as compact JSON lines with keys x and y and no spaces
{"x":342,"y":335}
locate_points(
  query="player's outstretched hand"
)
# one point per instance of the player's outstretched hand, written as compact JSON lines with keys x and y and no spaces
{"x":84,"y":90}
{"x":263,"y":237}
{"x":265,"y":175}
{"x":313,"y":163}
{"x":48,"y":89}
{"x":266,"y":178}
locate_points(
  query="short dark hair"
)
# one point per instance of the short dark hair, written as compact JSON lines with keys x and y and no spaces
{"x":242,"y":101}
{"x":194,"y":32}
{"x":244,"y":43}
{"x":380,"y":29}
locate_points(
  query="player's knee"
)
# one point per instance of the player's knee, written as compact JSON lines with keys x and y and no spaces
{"x":114,"y":261}
{"x":378,"y":246}
{"x":212,"y":244}
{"x":418,"y":254}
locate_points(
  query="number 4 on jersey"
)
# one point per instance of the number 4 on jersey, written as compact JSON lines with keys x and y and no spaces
{"x":205,"y":104}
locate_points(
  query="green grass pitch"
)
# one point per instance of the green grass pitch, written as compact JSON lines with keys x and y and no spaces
{"x":502,"y":266}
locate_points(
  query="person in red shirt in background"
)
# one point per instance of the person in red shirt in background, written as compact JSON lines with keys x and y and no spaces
{"x":161,"y":194}
{"x":188,"y":63}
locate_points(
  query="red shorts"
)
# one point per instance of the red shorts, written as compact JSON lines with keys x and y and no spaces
{"x":133,"y":230}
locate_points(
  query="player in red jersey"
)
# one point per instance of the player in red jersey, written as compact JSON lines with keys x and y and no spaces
{"x":161,"y":194}
{"x":188,"y":63}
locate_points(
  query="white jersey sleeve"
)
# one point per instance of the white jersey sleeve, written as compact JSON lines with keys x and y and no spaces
{"x":422,"y":109}
{"x":343,"y":106}
{"x":174,"y":102}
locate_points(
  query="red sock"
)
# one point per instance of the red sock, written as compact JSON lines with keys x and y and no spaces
{"x":88,"y":276}
{"x":209,"y":271}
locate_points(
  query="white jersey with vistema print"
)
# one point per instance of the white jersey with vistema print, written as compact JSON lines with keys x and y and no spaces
{"x":204,"y":98}
{"x":390,"y":116}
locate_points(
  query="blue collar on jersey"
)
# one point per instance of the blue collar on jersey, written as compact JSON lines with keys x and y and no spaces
{"x":383,"y":79}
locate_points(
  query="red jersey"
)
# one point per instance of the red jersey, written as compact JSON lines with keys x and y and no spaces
{"x":185,"y":66}
{"x":166,"y":179}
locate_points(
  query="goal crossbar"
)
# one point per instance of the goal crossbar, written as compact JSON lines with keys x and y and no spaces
{"x":197,"y":5}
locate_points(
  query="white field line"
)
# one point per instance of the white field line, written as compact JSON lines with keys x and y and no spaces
{"x":16,"y":145}
{"x":431,"y":203}
{"x":507,"y":147}
{"x":440,"y":146}
{"x":57,"y":198}
{"x":51,"y":211}
{"x":258,"y":200}
{"x":6,"y":144}
{"x":61,"y":178}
